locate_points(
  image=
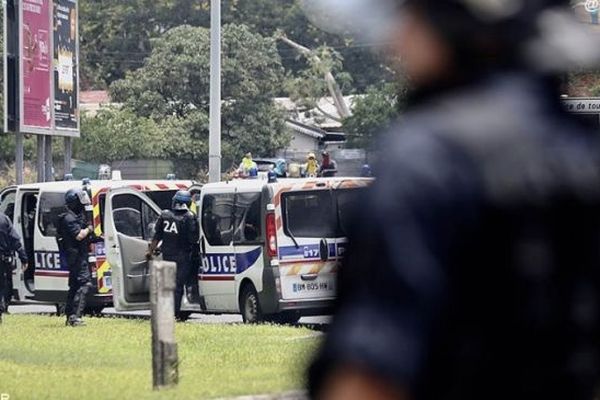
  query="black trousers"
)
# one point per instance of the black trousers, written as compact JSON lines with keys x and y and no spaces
{"x":80,"y":281}
{"x":5,"y":284}
{"x":183,"y":273}
{"x":192,"y":289}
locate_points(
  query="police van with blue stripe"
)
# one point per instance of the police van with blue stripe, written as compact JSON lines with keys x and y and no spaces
{"x":34,"y":210}
{"x":269,"y":250}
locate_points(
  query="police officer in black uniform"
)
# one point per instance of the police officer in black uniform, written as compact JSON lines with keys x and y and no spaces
{"x":10,"y":242}
{"x":473,"y":265}
{"x":177,"y":229}
{"x":73,"y":236}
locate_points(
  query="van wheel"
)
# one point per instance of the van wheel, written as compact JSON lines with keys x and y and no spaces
{"x":250,"y":306}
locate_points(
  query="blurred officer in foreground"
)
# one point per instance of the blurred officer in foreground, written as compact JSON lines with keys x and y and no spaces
{"x":73,"y":237}
{"x":10,"y":242}
{"x":473,"y":270}
{"x":177,"y":228}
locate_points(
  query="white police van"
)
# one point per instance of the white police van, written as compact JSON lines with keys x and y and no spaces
{"x":270,"y":251}
{"x":34,"y":210}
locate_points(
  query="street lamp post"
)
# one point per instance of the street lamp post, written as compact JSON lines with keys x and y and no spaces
{"x":214,"y":145}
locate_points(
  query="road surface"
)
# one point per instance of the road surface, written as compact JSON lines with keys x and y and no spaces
{"x":195,"y":318}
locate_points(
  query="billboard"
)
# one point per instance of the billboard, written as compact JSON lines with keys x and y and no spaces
{"x":66,"y":79}
{"x":35,"y":67}
{"x":41,"y":58}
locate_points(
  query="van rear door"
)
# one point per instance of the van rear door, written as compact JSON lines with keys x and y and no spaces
{"x":307,"y":247}
{"x":129,"y":220}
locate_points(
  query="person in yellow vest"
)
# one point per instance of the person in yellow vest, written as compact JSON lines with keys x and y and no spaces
{"x":246,"y":165}
{"x":312,"y":166}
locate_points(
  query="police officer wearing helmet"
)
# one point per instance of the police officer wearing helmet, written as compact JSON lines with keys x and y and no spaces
{"x":73,"y":237}
{"x":10,"y":242}
{"x":475,"y":272}
{"x":178,"y":231}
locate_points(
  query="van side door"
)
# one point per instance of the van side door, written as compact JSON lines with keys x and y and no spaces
{"x":248,"y":238}
{"x":218,"y":268}
{"x":129,"y":221}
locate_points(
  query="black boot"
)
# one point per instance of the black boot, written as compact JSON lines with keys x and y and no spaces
{"x":74,"y":321}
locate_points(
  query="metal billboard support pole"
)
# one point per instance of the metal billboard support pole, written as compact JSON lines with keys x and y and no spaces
{"x":41,"y":158}
{"x":68,"y":154}
{"x":48,"y":174}
{"x":214,"y":145}
{"x":19,"y":158}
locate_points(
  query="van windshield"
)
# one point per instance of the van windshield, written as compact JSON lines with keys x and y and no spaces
{"x":318,"y":214}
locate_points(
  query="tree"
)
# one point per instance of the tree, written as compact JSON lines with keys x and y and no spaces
{"x":116,"y":35}
{"x":172,"y":89}
{"x":374,"y":112}
{"x":318,"y":80}
{"x":119,"y":134}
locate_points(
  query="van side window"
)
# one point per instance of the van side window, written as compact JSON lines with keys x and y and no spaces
{"x":247,"y":218}
{"x":217,"y":218}
{"x":7,"y":204}
{"x":127,"y":215}
{"x":52,"y":205}
{"x":133,"y":217}
{"x":310,"y":214}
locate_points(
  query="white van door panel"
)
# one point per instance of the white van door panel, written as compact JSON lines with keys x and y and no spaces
{"x":127,"y":233}
{"x":50,"y":275}
{"x":219,"y":263}
{"x":248,"y":240}
{"x":308,"y":245}
{"x":24,"y":221}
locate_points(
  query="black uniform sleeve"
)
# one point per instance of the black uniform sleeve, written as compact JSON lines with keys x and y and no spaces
{"x":16,"y":241}
{"x":193,"y":229}
{"x":70,"y":226}
{"x":159,"y":229}
{"x":393,"y":278}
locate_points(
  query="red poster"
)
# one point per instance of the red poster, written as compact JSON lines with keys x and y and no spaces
{"x":35,"y":64}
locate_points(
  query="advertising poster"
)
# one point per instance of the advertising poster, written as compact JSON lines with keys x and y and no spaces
{"x":66,"y":110}
{"x":36,"y":114}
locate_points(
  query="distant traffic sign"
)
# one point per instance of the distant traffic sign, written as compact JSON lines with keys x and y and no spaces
{"x":582,"y":105}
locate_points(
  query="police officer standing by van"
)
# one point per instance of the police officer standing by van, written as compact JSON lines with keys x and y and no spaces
{"x":10,"y":242}
{"x":74,"y":234}
{"x":177,"y":229}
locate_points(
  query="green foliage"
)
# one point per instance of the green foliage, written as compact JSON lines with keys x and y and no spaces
{"x":172,"y":89}
{"x":308,"y":86}
{"x":116,"y":35}
{"x":40,"y":358}
{"x":118,"y":134}
{"x":374,"y":112}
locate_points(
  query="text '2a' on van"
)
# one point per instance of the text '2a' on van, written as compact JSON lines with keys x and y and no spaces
{"x":269,"y":251}
{"x":35,"y":209}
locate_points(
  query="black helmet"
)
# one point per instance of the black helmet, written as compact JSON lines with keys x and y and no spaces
{"x":76,"y":199}
{"x":182,"y":200}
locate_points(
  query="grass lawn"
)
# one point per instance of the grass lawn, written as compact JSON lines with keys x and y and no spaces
{"x":40,"y":358}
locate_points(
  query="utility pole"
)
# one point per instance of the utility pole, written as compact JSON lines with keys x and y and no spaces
{"x":214,"y":144}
